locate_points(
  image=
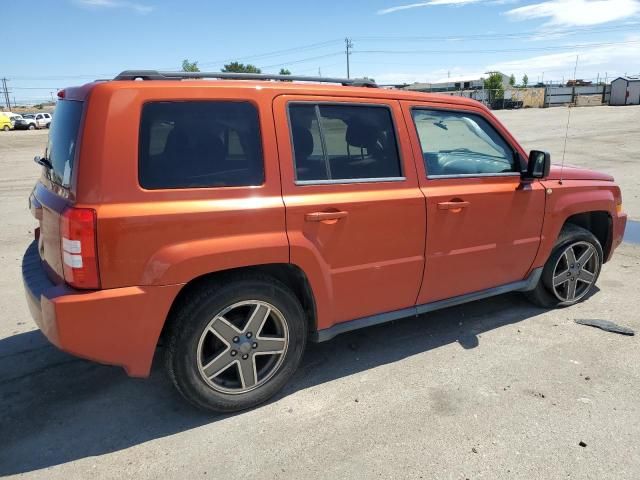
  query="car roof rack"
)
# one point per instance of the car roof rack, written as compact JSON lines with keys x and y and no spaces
{"x":163,"y":75}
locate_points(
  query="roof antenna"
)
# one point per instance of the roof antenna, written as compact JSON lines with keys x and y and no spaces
{"x":566,"y":133}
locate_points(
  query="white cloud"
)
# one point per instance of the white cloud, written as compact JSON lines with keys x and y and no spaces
{"x":431,"y":3}
{"x":592,"y":60}
{"x":432,"y":76}
{"x":577,"y":12}
{"x":136,"y":7}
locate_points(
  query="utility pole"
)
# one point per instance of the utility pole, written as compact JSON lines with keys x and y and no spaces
{"x":349,"y":45}
{"x":6,"y":93}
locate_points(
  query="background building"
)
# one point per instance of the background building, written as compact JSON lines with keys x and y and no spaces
{"x":625,"y":91}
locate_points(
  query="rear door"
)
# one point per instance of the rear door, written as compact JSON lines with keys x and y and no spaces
{"x":483,"y":223}
{"x":355,"y":214}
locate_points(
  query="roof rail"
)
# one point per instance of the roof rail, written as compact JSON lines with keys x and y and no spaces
{"x":162,"y":75}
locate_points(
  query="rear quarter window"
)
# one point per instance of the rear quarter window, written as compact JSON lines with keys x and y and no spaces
{"x":63,"y":140}
{"x":198,"y":144}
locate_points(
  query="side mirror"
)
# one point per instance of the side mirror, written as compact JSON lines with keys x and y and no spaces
{"x":539,"y":164}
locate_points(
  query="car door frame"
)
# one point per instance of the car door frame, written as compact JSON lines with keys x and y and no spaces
{"x":302,"y":253}
{"x":426,"y":182}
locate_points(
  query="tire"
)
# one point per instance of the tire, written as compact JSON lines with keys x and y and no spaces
{"x":32,"y":126}
{"x":196,"y":345}
{"x":6,"y":128}
{"x":582,"y":278}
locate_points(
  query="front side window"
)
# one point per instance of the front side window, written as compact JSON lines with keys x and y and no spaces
{"x":343,"y":142}
{"x":200,"y":144}
{"x":461,"y":143}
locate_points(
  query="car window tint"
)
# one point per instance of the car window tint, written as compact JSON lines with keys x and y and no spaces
{"x":63,"y":140}
{"x":343,"y":142}
{"x":460,"y":143}
{"x":200,"y":144}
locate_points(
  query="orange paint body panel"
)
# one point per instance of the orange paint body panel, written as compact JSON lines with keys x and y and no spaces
{"x":365,"y":248}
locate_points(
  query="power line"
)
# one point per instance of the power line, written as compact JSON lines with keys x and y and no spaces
{"x":284,"y":64}
{"x":633,"y":26}
{"x":504,"y":50}
{"x":275,"y":53}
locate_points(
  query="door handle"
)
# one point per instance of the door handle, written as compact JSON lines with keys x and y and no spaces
{"x":453,"y":205}
{"x":324,"y":216}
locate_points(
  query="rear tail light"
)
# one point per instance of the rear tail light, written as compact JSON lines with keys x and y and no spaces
{"x":79,"y":252}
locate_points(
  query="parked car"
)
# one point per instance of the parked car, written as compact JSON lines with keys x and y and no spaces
{"x":31,"y":121}
{"x":5,"y":122}
{"x":232,"y":221}
{"x":12,"y":117}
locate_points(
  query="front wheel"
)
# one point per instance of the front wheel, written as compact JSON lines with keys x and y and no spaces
{"x":6,"y":128}
{"x":32,"y":126}
{"x":572,"y":270}
{"x":234,"y":345}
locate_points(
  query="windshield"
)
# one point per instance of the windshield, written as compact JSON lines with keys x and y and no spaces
{"x":63,"y":139}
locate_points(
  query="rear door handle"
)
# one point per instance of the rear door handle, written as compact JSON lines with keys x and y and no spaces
{"x":453,"y":205}
{"x":323,"y":216}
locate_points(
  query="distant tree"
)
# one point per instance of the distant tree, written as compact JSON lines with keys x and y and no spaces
{"x":495,"y":86}
{"x":236,"y":67}
{"x":525,"y":80}
{"x":284,"y":71}
{"x":512,"y":80}
{"x":188,"y":66}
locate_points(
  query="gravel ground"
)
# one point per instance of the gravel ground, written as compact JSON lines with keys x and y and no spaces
{"x":494,"y":389}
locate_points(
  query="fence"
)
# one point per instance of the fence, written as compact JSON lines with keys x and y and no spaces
{"x":580,"y":95}
{"x":505,"y":99}
{"x":538,"y":97}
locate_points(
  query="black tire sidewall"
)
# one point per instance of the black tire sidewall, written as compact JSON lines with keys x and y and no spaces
{"x":573,"y":235}
{"x":193,"y":319}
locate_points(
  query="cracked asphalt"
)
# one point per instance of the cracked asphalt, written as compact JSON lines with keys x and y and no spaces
{"x":494,"y":389}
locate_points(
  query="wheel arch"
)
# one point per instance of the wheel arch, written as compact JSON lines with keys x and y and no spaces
{"x":599,"y":223}
{"x":289,"y":274}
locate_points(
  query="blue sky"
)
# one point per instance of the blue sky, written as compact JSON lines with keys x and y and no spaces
{"x":56,"y":43}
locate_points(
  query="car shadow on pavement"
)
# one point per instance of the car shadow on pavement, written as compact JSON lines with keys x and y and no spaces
{"x":56,"y":408}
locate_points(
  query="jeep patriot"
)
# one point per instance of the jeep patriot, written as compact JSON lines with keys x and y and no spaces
{"x":234,"y":219}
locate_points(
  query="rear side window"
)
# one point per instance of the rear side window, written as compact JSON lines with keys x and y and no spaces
{"x":63,"y":139}
{"x":200,"y":144}
{"x":343,"y":142}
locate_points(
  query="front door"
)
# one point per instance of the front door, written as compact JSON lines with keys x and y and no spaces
{"x":354,"y":211}
{"x":483,"y":223}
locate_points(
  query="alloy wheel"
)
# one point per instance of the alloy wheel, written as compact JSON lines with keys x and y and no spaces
{"x":242,"y":347}
{"x":575,"y":271}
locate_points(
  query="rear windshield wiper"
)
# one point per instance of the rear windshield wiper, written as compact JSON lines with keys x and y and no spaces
{"x":44,"y":161}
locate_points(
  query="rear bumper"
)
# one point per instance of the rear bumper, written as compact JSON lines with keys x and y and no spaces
{"x":118,"y":326}
{"x":618,"y":227}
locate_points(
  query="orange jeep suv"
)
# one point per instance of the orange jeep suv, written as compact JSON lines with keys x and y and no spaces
{"x":237,"y":218}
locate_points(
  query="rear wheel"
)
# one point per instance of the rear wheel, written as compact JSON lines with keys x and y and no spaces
{"x":6,"y":128}
{"x":571,"y":271}
{"x":234,"y":345}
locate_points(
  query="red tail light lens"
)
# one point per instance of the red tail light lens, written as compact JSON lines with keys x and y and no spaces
{"x":79,"y":251}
